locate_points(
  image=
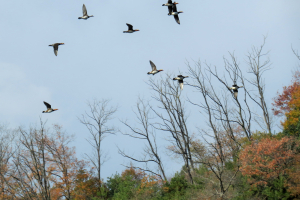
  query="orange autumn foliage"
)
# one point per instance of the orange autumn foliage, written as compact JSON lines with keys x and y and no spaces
{"x":294,"y":178}
{"x":148,"y":184}
{"x":281,"y":102}
{"x":267,"y":160}
{"x":85,"y":185}
{"x":63,"y":164}
{"x":288,"y":103}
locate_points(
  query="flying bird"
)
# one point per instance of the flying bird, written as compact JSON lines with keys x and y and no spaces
{"x":55,"y":47}
{"x":49,"y":109}
{"x":154,"y":70}
{"x":175,"y":13}
{"x":85,"y":15}
{"x":180,"y":80}
{"x":170,"y":4}
{"x":235,"y":89}
{"x":130,"y":29}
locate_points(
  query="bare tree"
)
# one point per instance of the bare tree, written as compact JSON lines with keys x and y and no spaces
{"x":225,"y":115}
{"x":97,"y":122}
{"x":257,"y":66}
{"x":172,"y":118}
{"x":219,"y":117}
{"x":147,"y":133}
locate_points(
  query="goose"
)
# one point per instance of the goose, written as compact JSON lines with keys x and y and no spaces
{"x":85,"y":15}
{"x":49,"y":109}
{"x":130,"y":29}
{"x":180,"y":80}
{"x":175,"y":13}
{"x":235,"y":89}
{"x":169,"y":4}
{"x":55,"y":47}
{"x":154,"y":70}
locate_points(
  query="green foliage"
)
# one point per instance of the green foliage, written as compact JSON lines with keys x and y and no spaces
{"x":243,"y":188}
{"x":277,"y":191}
{"x":121,"y":187}
{"x":178,"y":184}
{"x":292,"y":129}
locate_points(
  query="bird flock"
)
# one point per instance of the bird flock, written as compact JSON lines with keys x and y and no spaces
{"x":172,"y":8}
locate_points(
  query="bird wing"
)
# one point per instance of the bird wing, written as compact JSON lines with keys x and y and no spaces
{"x":174,"y":8}
{"x":84,"y":11}
{"x":170,"y":9}
{"x":235,"y":93}
{"x":181,"y":84}
{"x":130,"y":27}
{"x":55,"y":47}
{"x":47,"y":105}
{"x":170,"y":1}
{"x":179,"y":76}
{"x":152,"y":65}
{"x":176,"y":17}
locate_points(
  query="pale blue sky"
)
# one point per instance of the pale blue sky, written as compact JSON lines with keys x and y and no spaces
{"x":99,"y":61}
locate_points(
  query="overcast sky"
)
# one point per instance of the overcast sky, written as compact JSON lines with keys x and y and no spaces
{"x":99,"y":61}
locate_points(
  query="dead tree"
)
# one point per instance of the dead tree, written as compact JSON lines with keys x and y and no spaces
{"x":257,"y":66}
{"x":172,"y":118}
{"x":216,"y":109}
{"x":97,"y":122}
{"x":147,"y":133}
{"x":226,"y":114}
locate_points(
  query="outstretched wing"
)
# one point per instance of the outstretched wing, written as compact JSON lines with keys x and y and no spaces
{"x":130,"y":27}
{"x":174,"y":8}
{"x":170,"y":9}
{"x":47,"y":104}
{"x":84,"y":11}
{"x":235,"y":93}
{"x":153,"y":66}
{"x":169,"y":1}
{"x":55,"y":47}
{"x":181,"y":84}
{"x":177,"y":19}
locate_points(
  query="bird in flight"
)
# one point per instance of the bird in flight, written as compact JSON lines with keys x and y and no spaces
{"x":154,"y":70}
{"x":170,"y":4}
{"x":130,"y":29}
{"x":235,"y":88}
{"x":175,"y":13}
{"x":49,"y":109}
{"x":85,"y":15}
{"x":180,"y":80}
{"x":55,"y":47}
